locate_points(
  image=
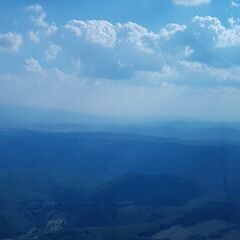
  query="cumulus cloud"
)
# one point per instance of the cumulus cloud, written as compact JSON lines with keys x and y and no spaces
{"x":191,"y":74}
{"x":124,"y":47}
{"x":32,"y":65}
{"x":51,"y":29}
{"x":100,"y":32}
{"x":52,"y":52}
{"x":10,"y":41}
{"x":191,"y":2}
{"x":222,"y":36}
{"x":133,"y":35}
{"x":40,"y":15}
{"x":39,"y":19}
{"x":33,"y":36}
{"x":200,"y":74}
{"x":171,"y":29}
{"x":109,"y":35}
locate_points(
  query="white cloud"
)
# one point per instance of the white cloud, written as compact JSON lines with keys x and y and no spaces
{"x":222,"y":36}
{"x":133,"y":35}
{"x":52,"y":52}
{"x":40,"y":15}
{"x":200,"y":74}
{"x":191,"y":74}
{"x":191,"y":2}
{"x":10,"y":41}
{"x":51,"y":29}
{"x":100,"y":32}
{"x":123,"y":48}
{"x":33,"y":36}
{"x":39,"y":19}
{"x":171,"y":29}
{"x":109,"y":35}
{"x":143,"y":39}
{"x":32,"y":65}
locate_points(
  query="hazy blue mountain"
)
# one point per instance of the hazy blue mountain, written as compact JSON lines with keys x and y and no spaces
{"x":70,"y":176}
{"x":106,"y":155}
{"x":32,"y":118}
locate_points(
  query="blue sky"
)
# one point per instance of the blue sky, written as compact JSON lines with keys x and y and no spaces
{"x":129,"y":59}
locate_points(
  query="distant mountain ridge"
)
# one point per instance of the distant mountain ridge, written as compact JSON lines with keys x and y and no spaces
{"x":52,"y":120}
{"x":112,"y":154}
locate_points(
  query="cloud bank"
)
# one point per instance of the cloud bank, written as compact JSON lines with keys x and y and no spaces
{"x":124,"y":69}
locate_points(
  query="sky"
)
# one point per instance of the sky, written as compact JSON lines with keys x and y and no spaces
{"x":138,"y":59}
